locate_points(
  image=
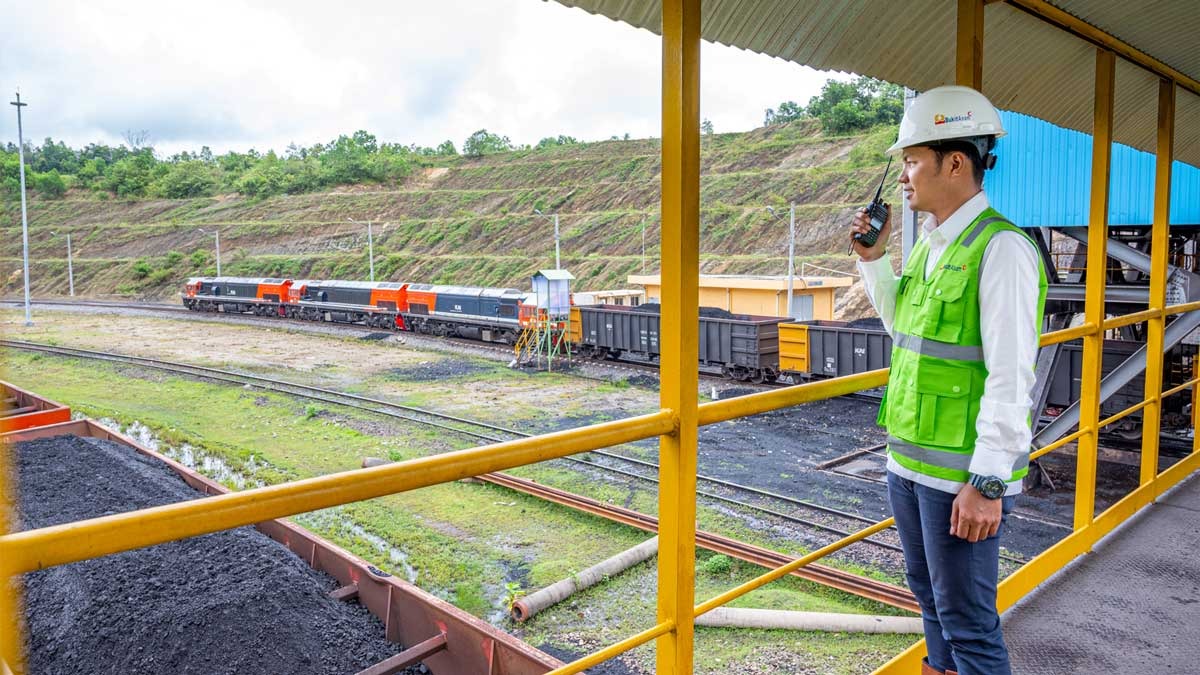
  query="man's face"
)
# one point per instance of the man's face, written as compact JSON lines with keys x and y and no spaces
{"x":922,"y":179}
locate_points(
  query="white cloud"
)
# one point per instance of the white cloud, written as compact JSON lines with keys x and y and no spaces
{"x":234,"y":75}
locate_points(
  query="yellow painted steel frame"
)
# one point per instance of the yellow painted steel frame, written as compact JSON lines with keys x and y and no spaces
{"x":1158,"y":277}
{"x":676,"y":423}
{"x":680,"y":316}
{"x":11,"y":654}
{"x":1097,"y":260}
{"x":1088,"y":529}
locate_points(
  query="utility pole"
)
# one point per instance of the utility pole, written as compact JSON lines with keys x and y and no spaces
{"x":370,"y":246}
{"x":24,"y":214}
{"x":70,"y":268}
{"x":557,"y":259}
{"x":791,"y":257}
{"x":217,"y":234}
{"x":791,"y":273}
{"x":643,"y":245}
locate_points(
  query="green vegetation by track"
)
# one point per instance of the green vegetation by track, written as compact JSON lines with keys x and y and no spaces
{"x":474,"y":545}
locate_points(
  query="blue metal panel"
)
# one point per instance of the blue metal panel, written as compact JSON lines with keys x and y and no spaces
{"x":1044,"y":173}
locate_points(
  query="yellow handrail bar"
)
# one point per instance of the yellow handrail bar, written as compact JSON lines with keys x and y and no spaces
{"x":70,"y":542}
{"x":1129,"y":319}
{"x":1068,"y":334}
{"x":1175,"y":390}
{"x":614,"y":650}
{"x":780,"y":572}
{"x":753,"y":404}
{"x":1060,"y":442}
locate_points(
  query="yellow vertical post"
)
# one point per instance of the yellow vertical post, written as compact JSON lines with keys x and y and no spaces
{"x":11,"y":640}
{"x":1152,"y":413}
{"x":680,"y":320}
{"x":968,"y":62}
{"x":1097,"y":265}
{"x":1195,"y":407}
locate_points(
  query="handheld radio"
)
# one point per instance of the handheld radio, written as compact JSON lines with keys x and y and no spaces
{"x":877,"y":211}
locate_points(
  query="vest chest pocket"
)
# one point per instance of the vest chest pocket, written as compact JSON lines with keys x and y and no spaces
{"x":943,"y":405}
{"x":945,"y":307}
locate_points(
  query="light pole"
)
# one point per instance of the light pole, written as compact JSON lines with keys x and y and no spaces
{"x":557,"y":262}
{"x":370,"y":246}
{"x":24,"y":215}
{"x":217,"y":234}
{"x":791,"y":273}
{"x":643,"y":246}
{"x":70,"y":267}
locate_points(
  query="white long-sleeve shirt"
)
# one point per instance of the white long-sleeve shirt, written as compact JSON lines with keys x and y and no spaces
{"x":1009,"y":321}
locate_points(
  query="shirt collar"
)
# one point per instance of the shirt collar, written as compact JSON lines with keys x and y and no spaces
{"x":942,"y":233}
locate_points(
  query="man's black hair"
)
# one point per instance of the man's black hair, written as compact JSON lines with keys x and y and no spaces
{"x":967,"y":148}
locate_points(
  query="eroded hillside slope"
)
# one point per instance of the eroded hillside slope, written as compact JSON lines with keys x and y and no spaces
{"x":469,"y":221}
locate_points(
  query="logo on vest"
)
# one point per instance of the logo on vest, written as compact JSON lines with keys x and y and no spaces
{"x":954,"y":268}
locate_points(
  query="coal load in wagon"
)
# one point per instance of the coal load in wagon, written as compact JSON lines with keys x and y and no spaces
{"x":705,"y":312}
{"x":229,"y":602}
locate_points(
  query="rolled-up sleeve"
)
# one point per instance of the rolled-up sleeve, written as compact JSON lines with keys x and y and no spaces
{"x":1009,"y":321}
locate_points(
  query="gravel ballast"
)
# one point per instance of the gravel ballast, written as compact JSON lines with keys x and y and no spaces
{"x":230,"y":602}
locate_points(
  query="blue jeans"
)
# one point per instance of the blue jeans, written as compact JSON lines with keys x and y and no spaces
{"x":953,"y":579}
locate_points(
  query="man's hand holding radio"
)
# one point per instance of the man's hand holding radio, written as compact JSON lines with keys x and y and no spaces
{"x":862,"y":225}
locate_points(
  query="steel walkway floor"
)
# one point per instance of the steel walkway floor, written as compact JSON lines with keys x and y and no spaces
{"x":1130,"y":606}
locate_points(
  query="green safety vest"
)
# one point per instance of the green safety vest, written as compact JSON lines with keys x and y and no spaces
{"x":937,"y":372}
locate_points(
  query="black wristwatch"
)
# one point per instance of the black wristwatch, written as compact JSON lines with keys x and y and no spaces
{"x":989,"y":486}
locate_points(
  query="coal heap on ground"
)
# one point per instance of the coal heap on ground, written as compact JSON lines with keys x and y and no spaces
{"x":230,"y":602}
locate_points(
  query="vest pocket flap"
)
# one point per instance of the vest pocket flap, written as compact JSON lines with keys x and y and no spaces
{"x":944,"y":381}
{"x":951,"y":286}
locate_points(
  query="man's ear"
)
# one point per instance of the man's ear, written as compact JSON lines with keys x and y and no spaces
{"x":959,"y":164}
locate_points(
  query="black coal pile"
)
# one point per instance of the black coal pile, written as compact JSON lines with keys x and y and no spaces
{"x":231,"y":602}
{"x":705,"y":312}
{"x":867,"y":323}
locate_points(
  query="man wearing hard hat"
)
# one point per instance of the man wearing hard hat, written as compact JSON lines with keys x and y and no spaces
{"x":965,"y":318}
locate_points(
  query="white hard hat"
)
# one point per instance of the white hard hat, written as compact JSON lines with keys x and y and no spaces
{"x":945,"y":113}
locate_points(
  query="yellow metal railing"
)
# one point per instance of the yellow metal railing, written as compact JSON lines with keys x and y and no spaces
{"x":677,"y":421}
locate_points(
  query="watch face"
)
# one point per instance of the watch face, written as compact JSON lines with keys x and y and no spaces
{"x":989,"y":487}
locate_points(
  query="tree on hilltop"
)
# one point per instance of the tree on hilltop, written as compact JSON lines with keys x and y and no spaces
{"x":483,"y":143}
{"x":843,"y":107}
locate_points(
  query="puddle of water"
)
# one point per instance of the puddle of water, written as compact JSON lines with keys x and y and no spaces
{"x":193,"y":457}
{"x":333,"y":519}
{"x":216,"y":468}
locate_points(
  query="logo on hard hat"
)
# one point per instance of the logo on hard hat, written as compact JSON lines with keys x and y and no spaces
{"x":943,"y":119}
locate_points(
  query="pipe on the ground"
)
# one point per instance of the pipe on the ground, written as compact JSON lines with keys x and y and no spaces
{"x":739,"y":617}
{"x":535,"y":602}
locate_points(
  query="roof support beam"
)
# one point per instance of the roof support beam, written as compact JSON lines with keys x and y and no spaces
{"x":968,"y":56}
{"x":1082,"y":29}
{"x":1097,"y":263}
{"x":1152,"y":413}
{"x":680,"y":312}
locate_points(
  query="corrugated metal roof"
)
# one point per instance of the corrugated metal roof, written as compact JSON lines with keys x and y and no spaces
{"x":1029,"y":66}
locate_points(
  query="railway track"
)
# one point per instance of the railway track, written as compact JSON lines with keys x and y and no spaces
{"x":709,"y":378}
{"x":887,"y":593}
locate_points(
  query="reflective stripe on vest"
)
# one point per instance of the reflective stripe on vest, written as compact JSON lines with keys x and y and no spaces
{"x":941,"y":350}
{"x":938,"y":372}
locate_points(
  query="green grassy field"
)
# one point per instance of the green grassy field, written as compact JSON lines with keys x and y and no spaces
{"x":475,"y":545}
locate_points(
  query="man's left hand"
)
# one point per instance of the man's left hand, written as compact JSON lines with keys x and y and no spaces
{"x":974,"y":517}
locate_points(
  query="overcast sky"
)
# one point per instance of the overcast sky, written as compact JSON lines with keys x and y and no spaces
{"x":236,"y":75}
